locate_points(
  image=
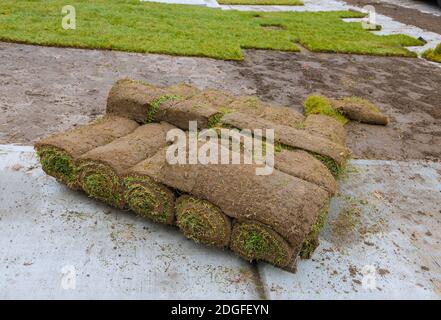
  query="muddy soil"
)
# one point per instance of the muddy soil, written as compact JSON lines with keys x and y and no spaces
{"x":44,"y":90}
{"x":409,"y":16}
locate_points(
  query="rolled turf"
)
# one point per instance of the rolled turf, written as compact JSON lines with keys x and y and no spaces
{"x":326,"y":127}
{"x":360,"y":109}
{"x":332,"y":154}
{"x":148,"y":198}
{"x":202,"y":221}
{"x":301,"y":164}
{"x":311,"y":241}
{"x":277,"y":114}
{"x":252,"y":241}
{"x":100,"y":171}
{"x":141,"y":101}
{"x":289,"y":205}
{"x":58,"y":152}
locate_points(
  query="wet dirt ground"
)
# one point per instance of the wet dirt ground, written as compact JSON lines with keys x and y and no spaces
{"x":44,"y":90}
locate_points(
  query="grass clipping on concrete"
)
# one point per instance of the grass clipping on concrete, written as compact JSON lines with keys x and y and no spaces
{"x":433,"y":54}
{"x":135,"y":26}
{"x":202,"y":221}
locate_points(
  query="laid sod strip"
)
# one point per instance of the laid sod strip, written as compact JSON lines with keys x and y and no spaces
{"x":263,"y":2}
{"x":291,"y":137}
{"x":148,"y":198}
{"x":317,"y":104}
{"x":287,"y":204}
{"x":433,"y":54}
{"x":254,"y":241}
{"x":359,"y":109}
{"x":301,"y":164}
{"x":312,"y":239}
{"x":135,"y":26}
{"x":278,"y":114}
{"x":140,"y":101}
{"x":58,"y":152}
{"x":202,"y":221}
{"x":325,"y":126}
{"x":100,"y":170}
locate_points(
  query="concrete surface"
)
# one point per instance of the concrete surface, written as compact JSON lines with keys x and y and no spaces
{"x":56,"y":243}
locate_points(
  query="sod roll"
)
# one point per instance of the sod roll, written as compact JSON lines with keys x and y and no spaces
{"x":100,"y":170}
{"x":252,"y":241}
{"x":58,"y":152}
{"x":287,"y":204}
{"x":148,"y":198}
{"x":326,"y":127}
{"x":359,"y":109}
{"x":277,"y":114}
{"x":300,"y":164}
{"x":206,"y":108}
{"x":141,"y":102}
{"x":332,"y":154}
{"x":311,"y":242}
{"x":202,"y":221}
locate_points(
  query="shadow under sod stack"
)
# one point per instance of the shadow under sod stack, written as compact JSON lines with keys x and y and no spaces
{"x":120,"y":159}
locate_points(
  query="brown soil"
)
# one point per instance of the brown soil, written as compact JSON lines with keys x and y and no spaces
{"x":45,"y":90}
{"x":405,"y":15}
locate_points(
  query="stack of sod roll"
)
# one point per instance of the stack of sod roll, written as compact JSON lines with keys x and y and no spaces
{"x":120,"y":159}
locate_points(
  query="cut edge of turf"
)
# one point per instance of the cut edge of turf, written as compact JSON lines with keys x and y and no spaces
{"x":202,"y":222}
{"x":253,"y":241}
{"x":311,"y":241}
{"x":433,"y":55}
{"x":318,"y":104}
{"x":101,"y":182}
{"x":149,"y":199}
{"x":59,"y":164}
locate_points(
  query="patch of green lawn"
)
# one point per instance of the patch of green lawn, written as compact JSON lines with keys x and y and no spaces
{"x":263,"y":2}
{"x":433,"y":54}
{"x":131,"y":25}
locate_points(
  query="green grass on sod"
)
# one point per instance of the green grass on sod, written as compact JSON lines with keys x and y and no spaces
{"x":263,"y":2}
{"x":433,"y":54}
{"x":131,"y":25}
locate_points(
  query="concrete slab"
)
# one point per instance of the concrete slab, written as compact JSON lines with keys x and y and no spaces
{"x":382,"y":239}
{"x":56,"y":243}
